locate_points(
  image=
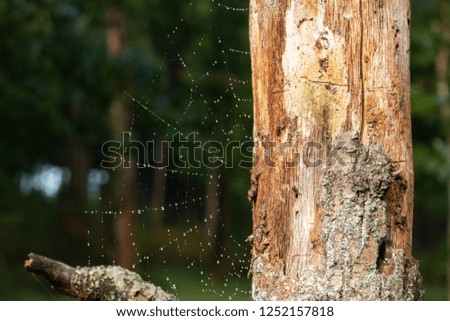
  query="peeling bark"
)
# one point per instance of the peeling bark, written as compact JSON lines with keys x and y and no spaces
{"x":354,"y":257}
{"x":331,"y":79}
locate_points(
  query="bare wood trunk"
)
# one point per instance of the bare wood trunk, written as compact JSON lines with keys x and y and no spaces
{"x":331,"y":82}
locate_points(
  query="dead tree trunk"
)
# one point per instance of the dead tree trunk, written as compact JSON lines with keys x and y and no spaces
{"x":332,"y":182}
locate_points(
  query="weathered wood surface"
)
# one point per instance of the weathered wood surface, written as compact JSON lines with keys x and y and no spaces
{"x":103,"y":283}
{"x":321,"y":69}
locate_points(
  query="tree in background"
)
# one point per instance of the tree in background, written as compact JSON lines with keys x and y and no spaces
{"x":442,"y":79}
{"x":430,"y":127}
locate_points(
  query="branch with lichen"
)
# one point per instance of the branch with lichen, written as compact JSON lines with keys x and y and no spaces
{"x":103,"y":283}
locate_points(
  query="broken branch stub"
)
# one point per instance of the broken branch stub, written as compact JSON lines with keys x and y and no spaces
{"x":102,"y":283}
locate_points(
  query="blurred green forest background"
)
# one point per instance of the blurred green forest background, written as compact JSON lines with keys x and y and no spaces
{"x":75,"y":74}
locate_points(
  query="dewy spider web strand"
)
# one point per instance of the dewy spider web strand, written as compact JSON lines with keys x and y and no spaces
{"x":184,"y":245}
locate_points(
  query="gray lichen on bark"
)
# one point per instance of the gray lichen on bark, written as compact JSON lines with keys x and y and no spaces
{"x":113,"y":283}
{"x":102,"y":283}
{"x":355,"y":258}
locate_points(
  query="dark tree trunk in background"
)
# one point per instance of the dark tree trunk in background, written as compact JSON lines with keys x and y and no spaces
{"x":335,"y":73}
{"x":158,"y":186}
{"x":73,"y":195}
{"x":126,"y":251}
{"x":212,"y":216}
{"x":124,"y":180}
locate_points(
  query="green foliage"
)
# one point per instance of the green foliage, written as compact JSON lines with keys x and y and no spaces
{"x":431,"y":154}
{"x":58,"y":81}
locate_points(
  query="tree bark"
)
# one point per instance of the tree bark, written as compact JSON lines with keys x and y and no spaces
{"x":332,"y":182}
{"x":104,"y":283}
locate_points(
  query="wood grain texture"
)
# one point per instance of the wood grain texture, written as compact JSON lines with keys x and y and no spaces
{"x":320,"y":69}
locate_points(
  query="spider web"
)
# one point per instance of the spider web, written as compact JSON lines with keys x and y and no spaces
{"x":190,"y":241}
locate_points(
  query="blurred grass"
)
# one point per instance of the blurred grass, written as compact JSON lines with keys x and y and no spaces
{"x":435,"y":292}
{"x":16,"y":284}
{"x":191,"y":285}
